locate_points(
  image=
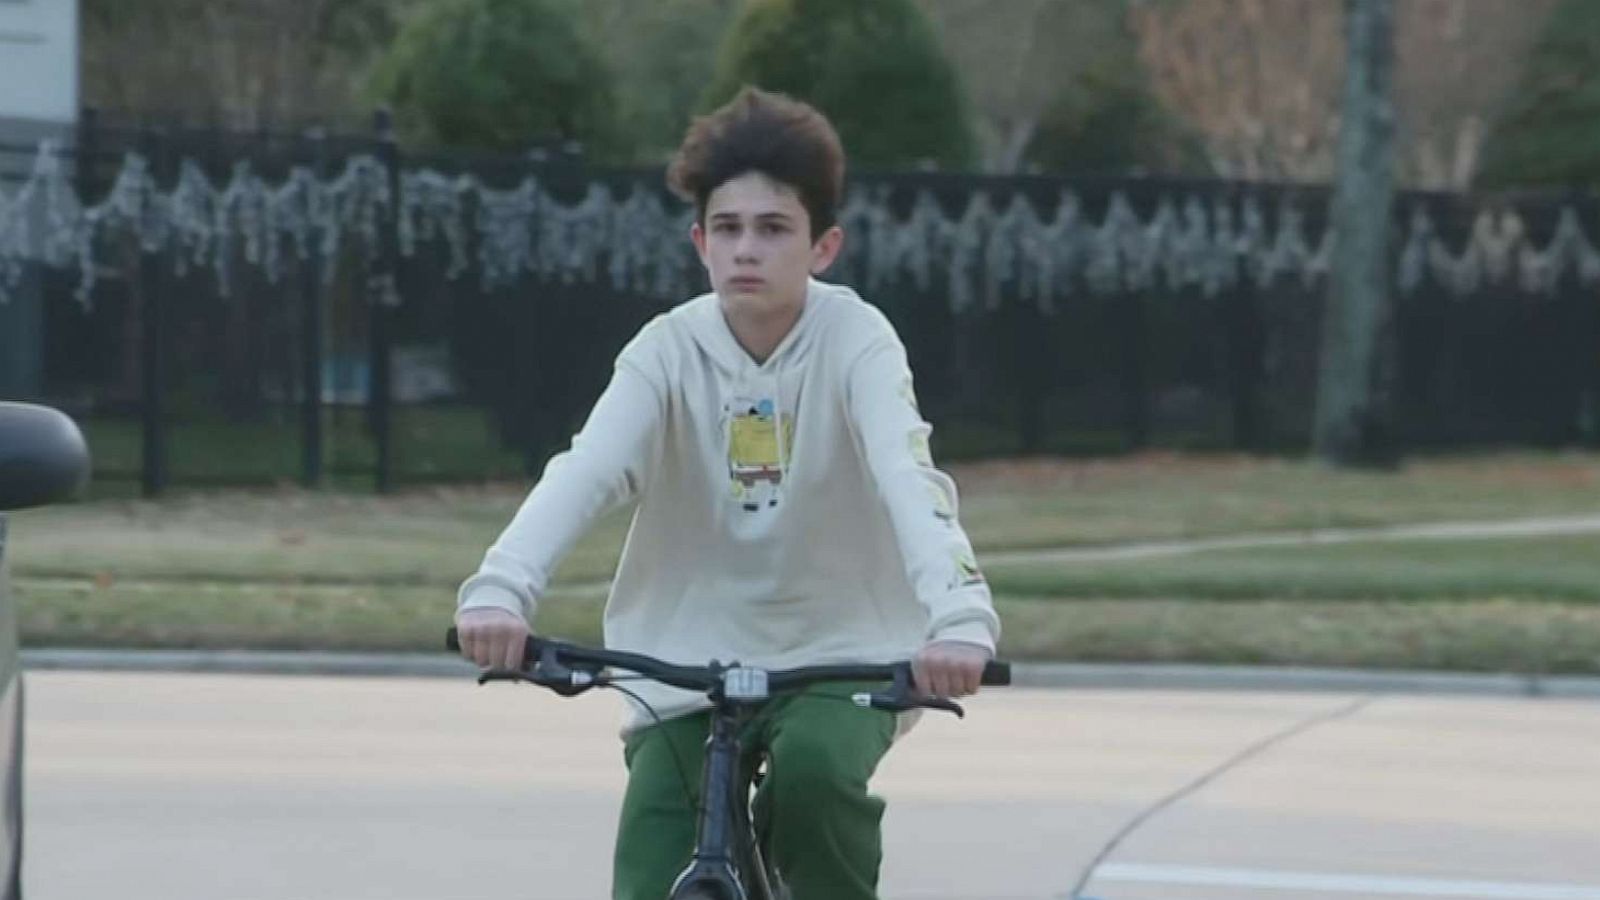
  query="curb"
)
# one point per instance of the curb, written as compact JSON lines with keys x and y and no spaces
{"x":1121,"y":676}
{"x":1292,"y":678}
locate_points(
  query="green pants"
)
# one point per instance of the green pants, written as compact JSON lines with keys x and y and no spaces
{"x":821,"y":825}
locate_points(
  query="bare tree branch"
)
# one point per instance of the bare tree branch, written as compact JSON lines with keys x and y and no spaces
{"x":1258,"y":79}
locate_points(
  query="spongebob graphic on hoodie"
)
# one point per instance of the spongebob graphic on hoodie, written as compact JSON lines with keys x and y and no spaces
{"x":756,"y":458}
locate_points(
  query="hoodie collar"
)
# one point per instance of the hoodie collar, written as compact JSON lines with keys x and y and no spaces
{"x":712,"y":332}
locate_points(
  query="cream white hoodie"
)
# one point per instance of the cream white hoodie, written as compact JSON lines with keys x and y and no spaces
{"x":789,"y":512}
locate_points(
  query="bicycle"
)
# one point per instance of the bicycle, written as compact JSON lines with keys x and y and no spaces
{"x":727,"y":863}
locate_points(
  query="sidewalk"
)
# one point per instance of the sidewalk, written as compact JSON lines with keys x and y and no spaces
{"x":1547,"y":526}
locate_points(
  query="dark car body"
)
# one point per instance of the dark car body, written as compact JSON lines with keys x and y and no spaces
{"x":42,"y":460}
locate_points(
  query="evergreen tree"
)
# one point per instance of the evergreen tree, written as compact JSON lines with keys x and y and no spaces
{"x":1550,"y":132}
{"x":496,"y":74}
{"x":874,"y":68}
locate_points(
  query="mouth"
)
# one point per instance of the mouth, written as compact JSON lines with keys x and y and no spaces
{"x":747,"y":283}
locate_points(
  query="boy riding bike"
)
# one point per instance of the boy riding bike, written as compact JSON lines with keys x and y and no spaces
{"x":789,"y":514}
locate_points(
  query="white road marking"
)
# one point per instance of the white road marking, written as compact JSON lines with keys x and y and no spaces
{"x":1268,"y":879}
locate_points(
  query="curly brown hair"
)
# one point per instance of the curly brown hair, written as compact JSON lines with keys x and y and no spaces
{"x":759,"y":131}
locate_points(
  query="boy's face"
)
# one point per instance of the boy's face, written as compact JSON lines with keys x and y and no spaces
{"x":756,"y":244}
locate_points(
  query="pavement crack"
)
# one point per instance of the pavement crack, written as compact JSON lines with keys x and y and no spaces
{"x":1233,"y":762}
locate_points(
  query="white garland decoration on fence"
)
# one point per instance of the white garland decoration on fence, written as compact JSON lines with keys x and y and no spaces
{"x":638,"y":242}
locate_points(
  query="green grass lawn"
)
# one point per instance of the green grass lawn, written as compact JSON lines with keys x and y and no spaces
{"x":433,"y":535}
{"x":1564,"y":569}
{"x":1486,"y":634}
{"x":1052,"y":503}
{"x":430,"y":537}
{"x":1483,"y":635}
{"x":290,"y":568}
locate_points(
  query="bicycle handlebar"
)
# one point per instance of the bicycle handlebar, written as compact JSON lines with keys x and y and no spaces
{"x":706,"y":678}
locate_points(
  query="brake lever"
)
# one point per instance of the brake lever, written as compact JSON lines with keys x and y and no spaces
{"x":548,"y":672}
{"x":944,"y":704}
{"x":901,"y":697}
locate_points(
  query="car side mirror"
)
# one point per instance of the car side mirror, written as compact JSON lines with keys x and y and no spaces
{"x":43,"y":457}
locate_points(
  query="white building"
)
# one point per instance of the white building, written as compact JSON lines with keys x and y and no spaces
{"x":38,"y":69}
{"x":38,"y":100}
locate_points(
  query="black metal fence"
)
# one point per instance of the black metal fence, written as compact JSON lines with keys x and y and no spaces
{"x":358,"y":362}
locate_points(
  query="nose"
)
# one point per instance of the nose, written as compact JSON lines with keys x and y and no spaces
{"x":744,"y":250}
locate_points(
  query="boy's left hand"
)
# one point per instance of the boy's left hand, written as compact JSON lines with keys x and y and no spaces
{"x":949,"y":668}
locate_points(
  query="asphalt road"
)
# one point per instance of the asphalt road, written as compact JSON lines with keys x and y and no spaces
{"x":146,"y":786}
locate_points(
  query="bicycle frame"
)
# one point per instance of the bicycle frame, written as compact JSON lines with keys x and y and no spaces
{"x":722,"y":869}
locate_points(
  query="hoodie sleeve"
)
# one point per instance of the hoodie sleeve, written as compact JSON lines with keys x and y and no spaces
{"x":921,"y":500}
{"x":605,"y":467}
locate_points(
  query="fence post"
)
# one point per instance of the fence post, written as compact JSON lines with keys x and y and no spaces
{"x":1135,"y":375}
{"x":152,"y":288}
{"x":382,"y":293}
{"x":1589,"y":414}
{"x":1244,"y":342}
{"x":311,"y":334}
{"x":1029,"y":343}
{"x":87,"y":147}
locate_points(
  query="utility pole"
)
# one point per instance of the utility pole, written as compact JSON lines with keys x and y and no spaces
{"x":1354,"y":423}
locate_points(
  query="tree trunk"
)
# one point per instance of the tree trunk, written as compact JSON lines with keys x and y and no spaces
{"x":1353,"y":425}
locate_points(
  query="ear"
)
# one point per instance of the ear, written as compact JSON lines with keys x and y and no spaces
{"x":697,"y":234}
{"x":825,"y":249}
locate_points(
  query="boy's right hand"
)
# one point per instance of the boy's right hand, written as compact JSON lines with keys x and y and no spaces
{"x":493,"y":638}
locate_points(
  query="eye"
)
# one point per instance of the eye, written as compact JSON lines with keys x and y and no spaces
{"x":724,"y":227}
{"x":774,"y":228}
